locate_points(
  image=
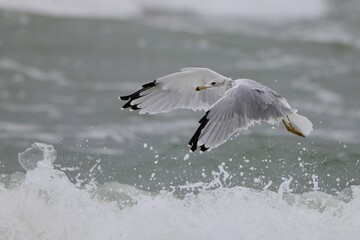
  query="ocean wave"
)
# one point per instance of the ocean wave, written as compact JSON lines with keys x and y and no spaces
{"x":32,"y":72}
{"x":276,"y":10}
{"x":45,"y":204}
{"x":48,"y":109}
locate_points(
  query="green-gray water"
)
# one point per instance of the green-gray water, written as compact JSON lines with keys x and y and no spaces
{"x":60,"y":79}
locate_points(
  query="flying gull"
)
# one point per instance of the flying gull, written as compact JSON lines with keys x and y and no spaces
{"x":230,"y":105}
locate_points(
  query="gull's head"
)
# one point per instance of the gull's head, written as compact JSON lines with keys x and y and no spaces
{"x":218,"y":82}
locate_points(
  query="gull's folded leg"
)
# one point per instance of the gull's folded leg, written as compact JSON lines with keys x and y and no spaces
{"x":291,"y":128}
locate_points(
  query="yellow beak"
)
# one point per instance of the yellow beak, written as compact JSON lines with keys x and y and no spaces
{"x":199,"y":88}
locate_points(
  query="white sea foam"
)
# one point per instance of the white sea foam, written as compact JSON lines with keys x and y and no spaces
{"x":30,"y":158}
{"x":44,"y":204}
{"x":253,"y":9}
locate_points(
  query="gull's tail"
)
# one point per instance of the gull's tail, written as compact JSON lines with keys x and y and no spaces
{"x":300,"y":123}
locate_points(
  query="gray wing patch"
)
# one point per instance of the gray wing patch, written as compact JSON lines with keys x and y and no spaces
{"x":241,"y":107}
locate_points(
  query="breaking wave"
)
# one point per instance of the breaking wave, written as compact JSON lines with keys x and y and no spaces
{"x":252,"y":9}
{"x":44,"y":204}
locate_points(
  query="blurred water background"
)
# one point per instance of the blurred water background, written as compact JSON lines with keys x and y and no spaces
{"x":63,"y":66}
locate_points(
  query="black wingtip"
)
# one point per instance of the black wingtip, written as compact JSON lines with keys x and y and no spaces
{"x":125,"y":98}
{"x":135,"y":107}
{"x":136,"y":95}
{"x":149,"y":85}
{"x":195,"y":138}
{"x":193,"y":147}
{"x":203,"y":148}
{"x":127,"y":105}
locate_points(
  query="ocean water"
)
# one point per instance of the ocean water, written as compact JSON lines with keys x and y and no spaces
{"x":103,"y":173}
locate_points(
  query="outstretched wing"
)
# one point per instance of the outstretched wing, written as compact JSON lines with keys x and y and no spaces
{"x":176,"y":90}
{"x":243,"y":105}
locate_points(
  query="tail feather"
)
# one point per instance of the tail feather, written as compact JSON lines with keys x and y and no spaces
{"x":302,"y":124}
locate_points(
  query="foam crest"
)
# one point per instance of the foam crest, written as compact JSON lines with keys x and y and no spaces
{"x":45,"y":204}
{"x":32,"y":72}
{"x":38,"y":152}
{"x":276,"y":10}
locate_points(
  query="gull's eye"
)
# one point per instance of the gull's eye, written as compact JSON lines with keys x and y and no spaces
{"x":213,"y":83}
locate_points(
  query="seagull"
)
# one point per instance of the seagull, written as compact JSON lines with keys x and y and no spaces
{"x":230,"y":105}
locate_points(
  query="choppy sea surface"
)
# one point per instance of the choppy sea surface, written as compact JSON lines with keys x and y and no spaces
{"x":120,"y":175}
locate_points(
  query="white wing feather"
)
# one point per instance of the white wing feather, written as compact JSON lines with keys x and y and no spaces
{"x":177,"y":90}
{"x":243,"y":105}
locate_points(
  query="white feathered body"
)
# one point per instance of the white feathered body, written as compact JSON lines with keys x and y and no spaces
{"x":231,"y":105}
